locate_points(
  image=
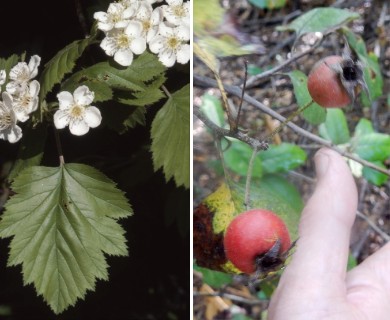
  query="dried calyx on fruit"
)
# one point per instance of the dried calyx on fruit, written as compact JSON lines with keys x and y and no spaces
{"x":257,"y":241}
{"x":335,"y":80}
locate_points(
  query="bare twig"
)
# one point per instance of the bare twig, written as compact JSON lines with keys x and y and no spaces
{"x":373,"y":226}
{"x":236,"y":91}
{"x":254,"y":143}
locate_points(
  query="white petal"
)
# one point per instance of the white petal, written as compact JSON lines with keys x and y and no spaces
{"x":78,"y":128}
{"x":183,"y":54}
{"x":121,"y":24}
{"x":108,"y":44}
{"x":105,"y":26}
{"x":144,"y":11}
{"x":100,"y":16}
{"x":183,"y":32}
{"x":115,"y":8}
{"x":157,"y":16}
{"x":165,"y":31}
{"x":151,"y":34}
{"x":134,"y":29}
{"x":130,"y":11}
{"x":61,"y":119}
{"x":33,"y":65}
{"x":124,"y":57}
{"x":174,"y":2}
{"x":14,"y":134}
{"x":34,"y":88}
{"x":18,"y":69}
{"x":14,"y":87}
{"x":92,"y":117}
{"x":167,"y":57}
{"x":21,"y":116}
{"x":156,"y":44}
{"x":65,"y":99}
{"x":3,"y":75}
{"x":138,"y":45}
{"x":7,"y":100}
{"x":83,"y":96}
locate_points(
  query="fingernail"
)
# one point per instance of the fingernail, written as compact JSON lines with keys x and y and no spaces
{"x":322,"y":161}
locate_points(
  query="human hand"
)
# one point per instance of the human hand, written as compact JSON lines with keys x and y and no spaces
{"x":315,"y":285}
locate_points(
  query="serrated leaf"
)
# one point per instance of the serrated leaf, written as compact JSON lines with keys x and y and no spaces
{"x":282,"y":158}
{"x":171,"y":137}
{"x":320,"y":20}
{"x":62,"y":63}
{"x":30,"y":149}
{"x":62,"y":221}
{"x":335,"y":127}
{"x":314,"y":114}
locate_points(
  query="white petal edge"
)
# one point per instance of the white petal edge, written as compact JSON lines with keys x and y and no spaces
{"x":93,"y":117}
{"x":124,"y":57}
{"x":33,"y":65}
{"x":78,"y":128}
{"x":183,"y":54}
{"x":134,"y":29}
{"x":61,"y":119}
{"x":156,"y":44}
{"x":83,"y":96}
{"x":167,"y":58}
{"x":14,"y":134}
{"x":138,"y":45}
{"x":65,"y":99}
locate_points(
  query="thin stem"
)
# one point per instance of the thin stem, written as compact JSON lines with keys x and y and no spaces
{"x":288,"y":119}
{"x":166,"y":91}
{"x":249,"y":178}
{"x":59,"y":147}
{"x":242,"y":95}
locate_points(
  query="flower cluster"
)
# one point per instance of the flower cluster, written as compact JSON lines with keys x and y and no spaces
{"x":20,"y":98}
{"x":132,"y":25}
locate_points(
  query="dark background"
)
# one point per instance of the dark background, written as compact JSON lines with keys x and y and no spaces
{"x":153,"y":282}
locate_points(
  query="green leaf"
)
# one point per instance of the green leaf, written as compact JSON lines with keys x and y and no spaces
{"x":62,"y":221}
{"x":171,"y":137}
{"x":375,"y":177}
{"x":279,"y":185}
{"x":282,"y":158}
{"x":213,"y":278}
{"x":30,"y":150}
{"x":7,"y":64}
{"x":61,"y":64}
{"x":208,"y":16}
{"x":212,"y":107}
{"x":373,"y":146}
{"x":269,"y":4}
{"x":363,"y":127}
{"x":320,"y":20}
{"x":335,"y":127}
{"x":314,"y":114}
{"x":237,"y":157}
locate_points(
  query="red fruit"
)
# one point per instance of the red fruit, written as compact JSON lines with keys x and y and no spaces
{"x":254,"y":234}
{"x":325,"y":86}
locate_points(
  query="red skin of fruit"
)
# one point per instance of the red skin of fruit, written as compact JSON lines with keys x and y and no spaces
{"x":252,"y":234}
{"x":325,"y":86}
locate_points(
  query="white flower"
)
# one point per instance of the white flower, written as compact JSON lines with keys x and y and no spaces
{"x":115,"y":17}
{"x":8,"y":128}
{"x":21,"y":74}
{"x":177,"y":12}
{"x":3,"y":76}
{"x":26,"y":102}
{"x":75,"y":111}
{"x":150,"y":19}
{"x":171,"y":45}
{"x":123,"y":43}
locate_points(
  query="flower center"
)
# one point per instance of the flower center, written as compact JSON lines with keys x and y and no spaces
{"x":77,"y":112}
{"x":146,"y":25}
{"x":5,"y":121}
{"x":179,"y":11}
{"x":123,"y":41}
{"x":173,"y":43}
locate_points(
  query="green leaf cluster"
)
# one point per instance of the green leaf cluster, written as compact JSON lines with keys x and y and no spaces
{"x":365,"y":142}
{"x":268,"y":4}
{"x":63,"y":220}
